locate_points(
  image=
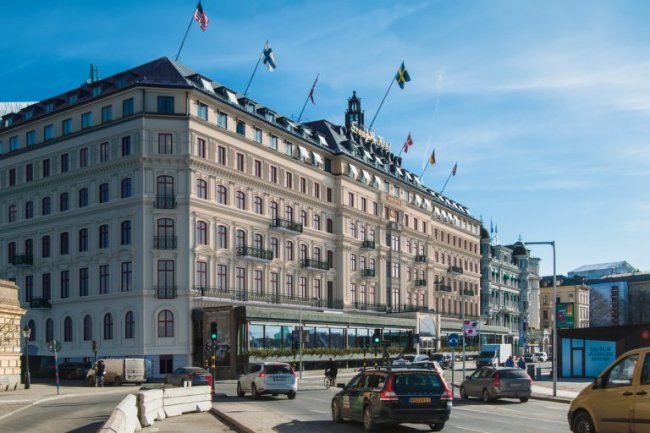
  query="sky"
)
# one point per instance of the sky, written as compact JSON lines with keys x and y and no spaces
{"x":545,"y":106}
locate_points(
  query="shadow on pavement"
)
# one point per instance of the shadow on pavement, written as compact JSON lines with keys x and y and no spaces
{"x":88,"y":428}
{"x":297,"y":426}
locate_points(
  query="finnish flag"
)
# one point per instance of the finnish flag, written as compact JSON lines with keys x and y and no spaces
{"x":268,"y":57}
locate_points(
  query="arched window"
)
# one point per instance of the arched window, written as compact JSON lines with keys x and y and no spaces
{"x":125,"y":233}
{"x":317,"y":254}
{"x":108,"y":326}
{"x":303,"y":252}
{"x":29,"y":210}
{"x":165,"y":186}
{"x":275,"y":248}
{"x":29,"y":247}
{"x":330,"y":258}
{"x":202,"y":233}
{"x":316,"y":224}
{"x":288,"y":213}
{"x":103,"y":193}
{"x":362,"y":233}
{"x":274,"y":210}
{"x":83,"y":197}
{"x":222,"y":195}
{"x":32,"y":327}
{"x":240,"y":238}
{"x":129,"y":325}
{"x":88,"y":327}
{"x":303,"y":218}
{"x":240,"y":200}
{"x":330,"y":225}
{"x":258,"y":206}
{"x":165,"y":230}
{"x":222,"y":237}
{"x":46,"y":206}
{"x":258,"y":241}
{"x":165,"y":324}
{"x":11,"y":251}
{"x":288,"y":250}
{"x":67,"y":329}
{"x":49,"y":330}
{"x":201,"y":189}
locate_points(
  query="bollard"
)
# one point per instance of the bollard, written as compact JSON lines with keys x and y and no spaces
{"x":539,"y":373}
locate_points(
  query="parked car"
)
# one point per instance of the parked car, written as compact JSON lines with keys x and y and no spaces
{"x":619,"y":398}
{"x":540,"y":357}
{"x":394,"y":396}
{"x":122,"y":370}
{"x":74,"y":370}
{"x":491,"y":383}
{"x":529,"y":357}
{"x":444,"y":359}
{"x":268,"y":378}
{"x":429,"y":365}
{"x":193,"y":375}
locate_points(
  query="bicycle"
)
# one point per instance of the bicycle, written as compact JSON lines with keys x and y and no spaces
{"x":329,"y":381}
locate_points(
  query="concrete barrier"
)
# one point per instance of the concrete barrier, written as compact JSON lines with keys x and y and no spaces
{"x":124,"y":418}
{"x":177,"y":401}
{"x":150,"y":406}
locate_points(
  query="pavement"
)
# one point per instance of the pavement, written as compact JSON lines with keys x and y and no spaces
{"x":227,"y":412}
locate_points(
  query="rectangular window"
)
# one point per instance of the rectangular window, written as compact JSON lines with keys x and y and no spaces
{"x":258,"y":168}
{"x":274,"y":174}
{"x":222,"y":120}
{"x":126,"y":145}
{"x":258,"y":283}
{"x":66,"y":127}
{"x":166,"y":363}
{"x":127,"y":107}
{"x":288,"y":148}
{"x":329,"y":194}
{"x":29,"y":172}
{"x":107,"y":113}
{"x":240,"y":162}
{"x":103,"y":279}
{"x":127,"y":277}
{"x":83,"y":282}
{"x":258,"y":135}
{"x":48,"y":132}
{"x":202,"y":111}
{"x":13,"y":143}
{"x":65,"y":284}
{"x":165,"y":104}
{"x":83,"y":157}
{"x":275,"y":282}
{"x":49,"y":107}
{"x":222,"y":277}
{"x":30,"y":138}
{"x":46,"y":168}
{"x":201,"y":279}
{"x":274,"y":142}
{"x":28,"y":115}
{"x":221,"y":155}
{"x":289,"y":180}
{"x":317,"y":190}
{"x":103,"y":152}
{"x":47,"y":286}
{"x":201,"y":148}
{"x":350,"y":199}
{"x":241,"y":128}
{"x":65,"y":163}
{"x":364,"y":204}
{"x":83,"y":240}
{"x":303,"y":185}
{"x":64,"y":243}
{"x":86,"y":120}
{"x":165,"y":144}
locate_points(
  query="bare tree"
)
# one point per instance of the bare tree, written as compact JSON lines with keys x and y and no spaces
{"x":600,"y":309}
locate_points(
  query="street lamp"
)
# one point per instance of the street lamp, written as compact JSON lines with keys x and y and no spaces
{"x":300,"y":339}
{"x":554,"y":359}
{"x":27,"y":332}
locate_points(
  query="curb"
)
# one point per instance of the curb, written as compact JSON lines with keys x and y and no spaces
{"x":230,"y":422}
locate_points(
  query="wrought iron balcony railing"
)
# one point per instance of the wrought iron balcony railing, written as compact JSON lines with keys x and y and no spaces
{"x":40,"y":303}
{"x":443,"y":288}
{"x":315,"y":264}
{"x":420,"y":283}
{"x":420,"y":259}
{"x":256,"y":253}
{"x":22,"y":260}
{"x":468,"y":292}
{"x":369,"y":245}
{"x":455,"y":269}
{"x":367,"y":272}
{"x":286,"y":225}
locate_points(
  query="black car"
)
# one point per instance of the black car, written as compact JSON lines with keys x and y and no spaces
{"x":394,"y":396}
{"x":443,"y":359}
{"x":73,"y":370}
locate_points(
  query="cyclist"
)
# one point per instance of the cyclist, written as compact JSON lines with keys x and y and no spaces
{"x":331,"y":371}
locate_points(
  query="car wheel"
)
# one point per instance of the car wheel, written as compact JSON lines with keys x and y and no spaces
{"x":523,"y":399}
{"x":291,"y":395}
{"x":463,"y":393}
{"x":240,"y":391}
{"x":486,"y":396}
{"x":583,"y":423}
{"x":368,"y":422}
{"x":336,"y":412}
{"x":437,"y":426}
{"x":117,"y":381}
{"x":254,"y":392}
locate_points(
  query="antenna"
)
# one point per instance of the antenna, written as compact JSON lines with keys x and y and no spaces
{"x":93,"y":74}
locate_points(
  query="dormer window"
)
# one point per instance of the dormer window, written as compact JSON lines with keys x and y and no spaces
{"x":72,"y":99}
{"x":120,"y":83}
{"x":250,"y":107}
{"x":28,"y":114}
{"x":96,"y":91}
{"x":49,"y":107}
{"x":270,"y":116}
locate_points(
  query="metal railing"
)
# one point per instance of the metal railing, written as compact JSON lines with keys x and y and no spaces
{"x":286,"y":224}
{"x":264,"y":296}
{"x":165,"y":202}
{"x":455,"y":269}
{"x":363,"y":306}
{"x":39,"y":303}
{"x":22,"y":260}
{"x":420,"y":283}
{"x":468,"y":292}
{"x":369,"y":245}
{"x":367,"y":272}
{"x":165,"y":242}
{"x":315,"y":264}
{"x":166,"y":292}
{"x":420,"y":259}
{"x":254,"y":252}
{"x":443,"y":288}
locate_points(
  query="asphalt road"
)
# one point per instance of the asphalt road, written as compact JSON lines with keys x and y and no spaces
{"x":310,"y":412}
{"x":83,"y":414}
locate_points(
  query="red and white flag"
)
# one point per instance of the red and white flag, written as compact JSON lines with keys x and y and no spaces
{"x":201,"y":17}
{"x":470,"y":328}
{"x":408,"y":143}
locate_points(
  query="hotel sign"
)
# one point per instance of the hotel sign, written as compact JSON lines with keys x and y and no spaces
{"x":394,"y":200}
{"x":370,"y":137}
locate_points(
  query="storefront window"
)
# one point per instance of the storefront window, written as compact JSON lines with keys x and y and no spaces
{"x":336,"y":338}
{"x":322,"y":337}
{"x":272,"y":337}
{"x":287,"y":336}
{"x":256,"y":336}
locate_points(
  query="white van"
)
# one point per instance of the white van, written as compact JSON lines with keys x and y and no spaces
{"x":540,"y":357}
{"x":121,"y":370}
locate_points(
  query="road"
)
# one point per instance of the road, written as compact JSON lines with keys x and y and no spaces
{"x":82,"y":414}
{"x":310,"y":412}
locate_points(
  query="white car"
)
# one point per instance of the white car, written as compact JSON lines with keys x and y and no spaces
{"x":268,"y":378}
{"x":540,"y":357}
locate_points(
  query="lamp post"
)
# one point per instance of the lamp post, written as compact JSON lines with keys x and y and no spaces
{"x":300,"y":340}
{"x":554,"y":358}
{"x":27,"y":332}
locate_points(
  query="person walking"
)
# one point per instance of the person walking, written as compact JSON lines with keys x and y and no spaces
{"x":510,"y":362}
{"x":521,"y":363}
{"x":101,"y":371}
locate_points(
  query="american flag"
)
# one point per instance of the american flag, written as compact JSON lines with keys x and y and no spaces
{"x":201,"y":17}
{"x":470,"y":328}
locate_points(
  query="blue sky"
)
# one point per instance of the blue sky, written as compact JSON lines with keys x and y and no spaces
{"x":545,"y":105}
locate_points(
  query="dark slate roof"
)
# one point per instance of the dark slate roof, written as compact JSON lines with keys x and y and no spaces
{"x":518,"y":249}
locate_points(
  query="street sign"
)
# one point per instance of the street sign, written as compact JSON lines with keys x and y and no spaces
{"x":452,"y":340}
{"x":54,"y":346}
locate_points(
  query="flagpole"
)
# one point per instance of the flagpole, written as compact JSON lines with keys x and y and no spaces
{"x":382,"y":103}
{"x":427,"y":164}
{"x":254,"y":70}
{"x":307,"y":100}
{"x":184,"y":37}
{"x":448,"y":177}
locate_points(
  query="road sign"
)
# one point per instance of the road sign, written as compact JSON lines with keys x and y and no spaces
{"x":452,"y":340}
{"x":54,"y":346}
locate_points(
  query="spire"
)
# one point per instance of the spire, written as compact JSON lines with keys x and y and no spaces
{"x":354,"y":113}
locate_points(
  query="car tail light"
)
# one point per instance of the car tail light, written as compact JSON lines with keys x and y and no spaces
{"x":496,"y":380}
{"x":530,"y":379}
{"x":447,"y":394}
{"x":388,"y":393}
{"x":208,"y":377}
{"x":294,"y":372}
{"x":261,"y":375}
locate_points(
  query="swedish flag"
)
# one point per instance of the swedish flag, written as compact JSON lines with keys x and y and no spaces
{"x":402,"y":76}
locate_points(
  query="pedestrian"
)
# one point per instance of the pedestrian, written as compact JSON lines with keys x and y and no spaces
{"x":521,"y":363}
{"x":101,"y":371}
{"x":510,"y":362}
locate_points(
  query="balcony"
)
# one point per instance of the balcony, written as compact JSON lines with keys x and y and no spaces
{"x":420,"y":283}
{"x":165,"y":202}
{"x":407,"y":308}
{"x":287,"y":225}
{"x":455,"y":269}
{"x":468,"y":292}
{"x":255,"y":253}
{"x":368,"y":245}
{"x":166,"y":292}
{"x":22,"y":260}
{"x":265,"y":297}
{"x":164,"y":242}
{"x":420,"y":259}
{"x":40,"y":303}
{"x":315,"y":264}
{"x":443,"y":288}
{"x":367,"y":273}
{"x":362,"y":306}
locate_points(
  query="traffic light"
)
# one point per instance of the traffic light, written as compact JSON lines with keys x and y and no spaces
{"x":213,"y":331}
{"x":94,"y":346}
{"x":376,"y":337}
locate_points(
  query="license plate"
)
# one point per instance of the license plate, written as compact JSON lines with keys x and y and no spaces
{"x":278,"y":379}
{"x":420,"y":400}
{"x":515,"y":385}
